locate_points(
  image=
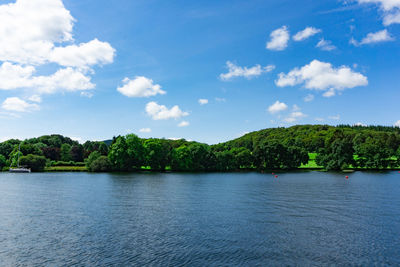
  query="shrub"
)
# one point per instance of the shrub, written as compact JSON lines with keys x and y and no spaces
{"x":2,"y":161}
{"x":34,"y":162}
{"x":101,"y":164}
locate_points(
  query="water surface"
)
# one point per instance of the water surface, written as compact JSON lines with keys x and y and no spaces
{"x":228,"y":219}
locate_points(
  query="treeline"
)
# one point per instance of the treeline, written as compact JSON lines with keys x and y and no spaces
{"x":341,"y":147}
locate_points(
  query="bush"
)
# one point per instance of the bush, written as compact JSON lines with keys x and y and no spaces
{"x":67,"y":163}
{"x":2,"y":161}
{"x":101,"y":164}
{"x":34,"y":162}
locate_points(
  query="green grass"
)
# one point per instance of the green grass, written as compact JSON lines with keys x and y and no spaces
{"x":65,"y":169}
{"x":311,"y":163}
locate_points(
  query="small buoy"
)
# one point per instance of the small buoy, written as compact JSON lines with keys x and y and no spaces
{"x":273,"y":173}
{"x":347,"y":177}
{"x":276,"y":176}
{"x":399,"y":171}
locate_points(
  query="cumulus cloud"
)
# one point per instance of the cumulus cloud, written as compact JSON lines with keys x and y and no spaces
{"x":83,"y":55}
{"x":38,"y":32}
{"x":294,"y":116}
{"x":390,"y":9}
{"x":18,"y":105}
{"x":397,"y":124}
{"x":145,"y":130}
{"x":35,"y":98}
{"x":305,"y":34}
{"x":277,"y":107}
{"x":140,"y":86}
{"x":322,"y":76}
{"x":203,"y":101}
{"x":279,"y":39}
{"x":308,"y":98}
{"x":184,"y":124}
{"x":220,"y":99}
{"x":237,"y":71}
{"x":374,"y":37}
{"x":161,"y":112}
{"x":68,"y":79}
{"x":325,"y":45}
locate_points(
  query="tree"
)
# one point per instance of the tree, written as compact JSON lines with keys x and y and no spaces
{"x":338,"y":156}
{"x":181,"y":159}
{"x":52,"y":153}
{"x":2,"y":162}
{"x":65,"y":152}
{"x":136,"y":151}
{"x":118,"y":155}
{"x":34,"y":162}
{"x":77,"y":153}
{"x":97,"y":162}
{"x":157,"y":155}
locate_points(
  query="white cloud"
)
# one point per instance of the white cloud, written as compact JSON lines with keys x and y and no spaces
{"x":219,"y":99}
{"x":306,"y":33}
{"x":35,"y":98}
{"x":145,"y":130}
{"x":319,"y":119}
{"x":184,"y":124}
{"x":393,"y":18}
{"x":203,"y":101}
{"x":390,"y":9}
{"x":33,"y":33}
{"x":161,"y":112}
{"x":397,"y":124}
{"x":87,"y":94}
{"x":277,"y":107}
{"x":86,"y":54}
{"x":374,"y":37}
{"x":325,"y":45}
{"x":360,"y":124}
{"x":140,"y":86}
{"x":237,"y":71}
{"x":331,"y":92}
{"x":279,"y":39}
{"x":308,"y":98}
{"x":19,"y":105}
{"x":295,"y":116}
{"x":323,"y":77}
{"x":336,"y":117}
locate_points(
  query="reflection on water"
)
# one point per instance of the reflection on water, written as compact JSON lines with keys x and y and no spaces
{"x":308,"y":218}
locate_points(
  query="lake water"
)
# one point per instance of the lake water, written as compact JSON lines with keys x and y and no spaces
{"x":228,"y":219}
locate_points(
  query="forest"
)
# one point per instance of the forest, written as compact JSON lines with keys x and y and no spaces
{"x":303,"y":146}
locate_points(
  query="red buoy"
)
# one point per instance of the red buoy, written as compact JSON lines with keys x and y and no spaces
{"x":273,"y":173}
{"x":399,"y":171}
{"x":276,"y":176}
{"x":347,"y":177}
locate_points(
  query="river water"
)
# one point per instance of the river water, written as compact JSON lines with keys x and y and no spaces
{"x":215,"y":219}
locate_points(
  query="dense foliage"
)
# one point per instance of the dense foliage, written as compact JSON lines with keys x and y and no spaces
{"x":336,"y":148}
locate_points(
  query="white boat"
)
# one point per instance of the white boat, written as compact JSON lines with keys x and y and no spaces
{"x":19,"y":169}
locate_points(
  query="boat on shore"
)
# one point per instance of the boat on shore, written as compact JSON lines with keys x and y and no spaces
{"x":19,"y":169}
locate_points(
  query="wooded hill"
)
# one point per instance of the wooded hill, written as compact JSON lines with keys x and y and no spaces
{"x":334,"y":148}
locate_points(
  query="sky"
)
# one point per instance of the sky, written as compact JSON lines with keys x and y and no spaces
{"x":208,"y":71}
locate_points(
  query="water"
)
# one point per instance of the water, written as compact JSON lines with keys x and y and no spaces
{"x":230,"y":219}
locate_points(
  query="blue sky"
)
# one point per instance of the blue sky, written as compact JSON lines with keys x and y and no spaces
{"x":94,"y":69}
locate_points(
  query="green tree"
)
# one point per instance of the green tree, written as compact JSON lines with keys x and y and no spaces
{"x":181,"y":159}
{"x":97,"y":162}
{"x":136,"y":151}
{"x":34,"y":162}
{"x":157,"y":155}
{"x":65,"y":152}
{"x":2,"y":162}
{"x":338,"y":156}
{"x":118,"y":155}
